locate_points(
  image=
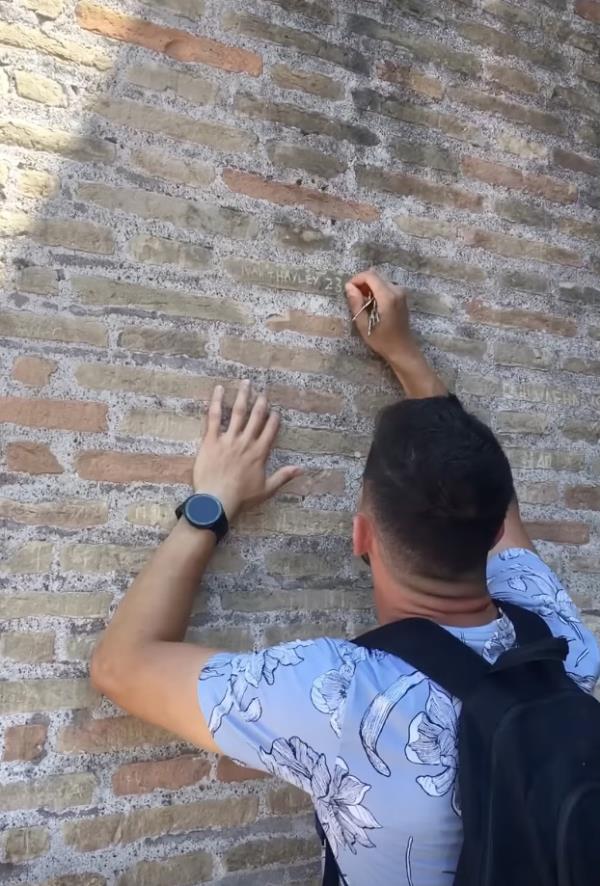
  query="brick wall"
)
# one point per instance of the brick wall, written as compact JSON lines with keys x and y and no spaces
{"x":186,"y":185}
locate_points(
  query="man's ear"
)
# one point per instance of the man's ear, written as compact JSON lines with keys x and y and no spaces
{"x":361,"y":535}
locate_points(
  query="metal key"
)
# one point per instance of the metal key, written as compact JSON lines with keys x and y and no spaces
{"x":374,"y":317}
{"x":365,"y":307}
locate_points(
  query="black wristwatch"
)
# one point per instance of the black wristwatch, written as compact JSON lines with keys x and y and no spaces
{"x":204,"y":512}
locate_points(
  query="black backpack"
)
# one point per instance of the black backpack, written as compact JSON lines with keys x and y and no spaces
{"x":528,"y":752}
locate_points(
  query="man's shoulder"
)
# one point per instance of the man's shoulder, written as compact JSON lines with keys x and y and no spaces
{"x":519,"y":576}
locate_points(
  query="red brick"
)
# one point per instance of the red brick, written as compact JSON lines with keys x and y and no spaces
{"x":109,"y":734}
{"x":588,"y":9}
{"x":67,"y":415}
{"x":293,"y":195}
{"x":492,"y":173}
{"x":134,"y":467}
{"x":177,"y":44}
{"x":505,"y":176}
{"x":33,"y":371}
{"x":24,"y":743}
{"x":585,"y":498}
{"x":516,"y":317}
{"x":308,"y":324}
{"x":32,"y":458}
{"x":168,"y":775}
{"x":563,"y":532}
{"x":227,"y":770}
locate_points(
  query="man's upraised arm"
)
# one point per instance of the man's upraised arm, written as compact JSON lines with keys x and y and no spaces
{"x":392,"y":339}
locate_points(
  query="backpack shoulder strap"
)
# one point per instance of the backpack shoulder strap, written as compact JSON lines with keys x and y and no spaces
{"x":529,"y":627}
{"x":432,"y":650}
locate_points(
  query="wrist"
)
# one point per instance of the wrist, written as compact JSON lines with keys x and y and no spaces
{"x":191,"y":537}
{"x":230,"y":502}
{"x":417,"y":376}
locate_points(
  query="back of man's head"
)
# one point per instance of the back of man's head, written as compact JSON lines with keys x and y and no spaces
{"x":437,"y":485}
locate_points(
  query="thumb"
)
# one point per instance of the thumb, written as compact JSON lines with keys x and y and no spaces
{"x":356,"y":301}
{"x":355,"y":298}
{"x":279,"y":479}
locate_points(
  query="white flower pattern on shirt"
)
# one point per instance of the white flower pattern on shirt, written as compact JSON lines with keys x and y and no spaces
{"x":504,"y":638}
{"x":432,"y":741}
{"x":376,"y":707}
{"x":330,"y":691}
{"x":245,"y":672}
{"x":546,"y":594}
{"x":337,"y":798}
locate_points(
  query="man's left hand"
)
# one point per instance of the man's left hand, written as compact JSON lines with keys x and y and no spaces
{"x":231,"y":464}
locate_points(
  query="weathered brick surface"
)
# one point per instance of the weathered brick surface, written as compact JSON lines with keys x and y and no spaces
{"x":141,"y":778}
{"x":24,"y":743}
{"x":315,"y":201}
{"x":64,"y":513}
{"x":113,"y":294}
{"x":87,"y":835}
{"x":185,"y":189}
{"x":304,"y":81}
{"x":183,"y":870}
{"x":49,"y":694}
{"x":229,"y":770}
{"x":32,"y":458}
{"x":180,"y":45}
{"x":33,"y":371}
{"x":49,"y":327}
{"x":140,"y":117}
{"x":38,"y":88}
{"x":562,"y":532}
{"x":23,"y":844}
{"x":108,"y":734}
{"x":69,"y":415}
{"x":64,"y":605}
{"x":54,"y":793}
{"x":160,"y":78}
{"x":277,"y":850}
{"x":30,"y":647}
{"x":129,"y":467}
{"x":36,"y":183}
{"x":157,"y":164}
{"x":30,"y":557}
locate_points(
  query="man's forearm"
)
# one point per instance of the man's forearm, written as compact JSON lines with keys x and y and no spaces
{"x":158,"y":604}
{"x":417,"y":376}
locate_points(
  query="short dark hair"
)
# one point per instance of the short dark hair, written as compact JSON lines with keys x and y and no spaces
{"x":438,"y":486}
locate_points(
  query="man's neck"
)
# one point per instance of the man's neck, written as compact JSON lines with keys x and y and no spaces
{"x":456,"y":604}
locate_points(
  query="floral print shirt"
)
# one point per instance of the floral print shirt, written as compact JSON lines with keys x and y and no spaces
{"x":371,"y":740}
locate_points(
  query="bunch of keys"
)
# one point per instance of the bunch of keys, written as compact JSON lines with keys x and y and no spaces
{"x":371,"y":306}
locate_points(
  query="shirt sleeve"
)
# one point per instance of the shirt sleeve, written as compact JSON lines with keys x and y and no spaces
{"x":519,"y":576}
{"x":280,"y":709}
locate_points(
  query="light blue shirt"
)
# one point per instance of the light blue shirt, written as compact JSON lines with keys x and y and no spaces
{"x":369,"y":738}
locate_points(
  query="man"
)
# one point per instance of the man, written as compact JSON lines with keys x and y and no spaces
{"x":369,"y":738}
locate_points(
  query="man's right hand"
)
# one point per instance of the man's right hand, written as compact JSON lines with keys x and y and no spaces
{"x":391,"y":338}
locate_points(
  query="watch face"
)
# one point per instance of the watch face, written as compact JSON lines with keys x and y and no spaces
{"x":203,"y":510}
